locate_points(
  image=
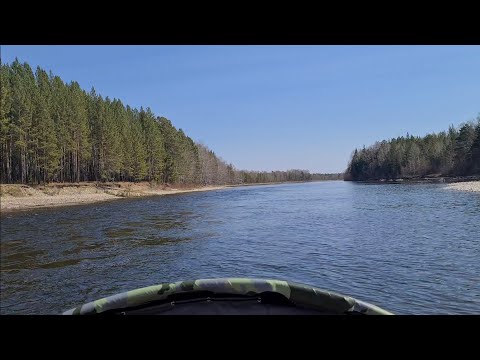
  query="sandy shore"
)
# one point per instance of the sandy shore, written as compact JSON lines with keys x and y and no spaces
{"x":472,"y":186}
{"x":23,"y":197}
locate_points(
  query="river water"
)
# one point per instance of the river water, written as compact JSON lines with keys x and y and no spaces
{"x":411,"y":249}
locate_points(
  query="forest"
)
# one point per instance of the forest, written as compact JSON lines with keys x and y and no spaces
{"x":455,"y":152}
{"x":52,"y":131}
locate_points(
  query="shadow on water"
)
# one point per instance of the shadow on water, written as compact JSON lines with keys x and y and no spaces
{"x":15,"y":260}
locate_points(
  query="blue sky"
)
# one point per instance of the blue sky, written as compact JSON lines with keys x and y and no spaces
{"x":280,"y":107}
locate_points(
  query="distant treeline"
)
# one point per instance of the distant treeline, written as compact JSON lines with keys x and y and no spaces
{"x":284,"y":176}
{"x":455,"y":152}
{"x":335,"y":176}
{"x":52,"y":131}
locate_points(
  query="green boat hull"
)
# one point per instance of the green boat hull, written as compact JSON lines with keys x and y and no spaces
{"x":241,"y":296}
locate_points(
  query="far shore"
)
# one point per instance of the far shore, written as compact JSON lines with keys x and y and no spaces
{"x":16,"y":197}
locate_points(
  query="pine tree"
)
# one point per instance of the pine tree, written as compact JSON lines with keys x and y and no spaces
{"x":155,"y":151}
{"x":21,"y":112}
{"x":475,"y":150}
{"x":139,"y":154}
{"x":48,"y":152}
{"x":80,"y":132}
{"x":6,"y":125}
{"x":463,"y":145}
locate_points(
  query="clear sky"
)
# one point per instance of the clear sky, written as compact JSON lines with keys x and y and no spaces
{"x":280,"y":107}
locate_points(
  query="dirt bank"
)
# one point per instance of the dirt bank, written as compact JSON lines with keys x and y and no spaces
{"x":24,"y":197}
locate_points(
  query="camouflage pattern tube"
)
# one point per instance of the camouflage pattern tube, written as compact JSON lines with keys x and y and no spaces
{"x":298,"y":294}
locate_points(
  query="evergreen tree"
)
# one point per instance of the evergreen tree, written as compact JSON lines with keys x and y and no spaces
{"x":447,"y":153}
{"x":47,"y":147}
{"x":6,"y":126}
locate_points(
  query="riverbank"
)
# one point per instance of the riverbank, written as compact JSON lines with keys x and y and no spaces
{"x":15,"y":197}
{"x":432,"y":179}
{"x":471,"y":186}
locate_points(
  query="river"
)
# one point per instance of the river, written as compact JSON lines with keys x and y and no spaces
{"x":409,"y":248}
